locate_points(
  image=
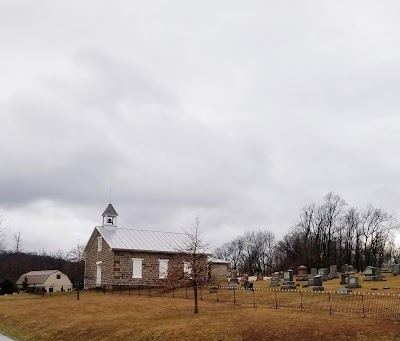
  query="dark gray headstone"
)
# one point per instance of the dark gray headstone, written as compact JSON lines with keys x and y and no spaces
{"x":343,"y":278}
{"x":318,"y":280}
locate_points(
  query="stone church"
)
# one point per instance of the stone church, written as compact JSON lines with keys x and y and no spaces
{"x":122,"y":256}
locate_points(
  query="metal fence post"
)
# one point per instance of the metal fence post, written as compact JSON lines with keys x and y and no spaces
{"x":301,"y":301}
{"x":363,"y":306}
{"x":276,"y":300}
{"x":254,"y":298}
{"x":330,"y":304}
{"x":234,"y":295}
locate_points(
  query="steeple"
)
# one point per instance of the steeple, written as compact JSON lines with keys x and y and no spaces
{"x":110,"y":216}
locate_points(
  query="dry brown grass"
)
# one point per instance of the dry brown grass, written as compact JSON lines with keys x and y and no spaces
{"x":122,"y":317}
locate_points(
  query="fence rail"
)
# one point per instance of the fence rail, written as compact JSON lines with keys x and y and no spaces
{"x":361,"y":304}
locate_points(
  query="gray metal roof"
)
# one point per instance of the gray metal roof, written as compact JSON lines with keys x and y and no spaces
{"x":110,"y":211}
{"x":36,"y":277}
{"x":143,"y":240}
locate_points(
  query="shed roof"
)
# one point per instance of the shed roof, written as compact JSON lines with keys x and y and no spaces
{"x":36,"y":277}
{"x":213,"y":260}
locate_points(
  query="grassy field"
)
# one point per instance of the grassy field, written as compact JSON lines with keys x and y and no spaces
{"x":122,"y":317}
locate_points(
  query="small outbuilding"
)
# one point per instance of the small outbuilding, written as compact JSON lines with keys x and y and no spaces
{"x":47,"y":280}
{"x":217,"y":270}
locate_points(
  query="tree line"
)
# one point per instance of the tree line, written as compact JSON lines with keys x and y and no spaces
{"x":326,"y":233}
{"x":14,"y":264}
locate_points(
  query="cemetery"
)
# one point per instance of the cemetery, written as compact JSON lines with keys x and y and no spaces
{"x":225,"y":314}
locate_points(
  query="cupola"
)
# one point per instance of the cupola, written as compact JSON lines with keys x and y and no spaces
{"x":110,"y":216}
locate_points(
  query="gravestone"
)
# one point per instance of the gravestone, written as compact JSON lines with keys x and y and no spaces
{"x":233,"y":281}
{"x":275,"y":282}
{"x":288,"y":275}
{"x":385,"y":268}
{"x":318,"y":283}
{"x":333,"y":272}
{"x":288,"y":280}
{"x":343,"y":291}
{"x":260,"y":277}
{"x":373,"y":273}
{"x":302,"y":273}
{"x":248,"y":286}
{"x":281,"y":274}
{"x":311,"y":281}
{"x":314,"y":271}
{"x":233,"y":285}
{"x":396,"y":269}
{"x":324,"y":273}
{"x":343,"y":279}
{"x":276,"y":274}
{"x":244,"y":279}
{"x":350,"y":269}
{"x":352,"y":282}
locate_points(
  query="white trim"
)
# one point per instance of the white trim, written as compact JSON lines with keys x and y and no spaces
{"x":99,"y":243}
{"x":187,"y":268}
{"x":163,"y":268}
{"x":137,"y":271}
{"x":99,"y":262}
{"x":99,"y":270}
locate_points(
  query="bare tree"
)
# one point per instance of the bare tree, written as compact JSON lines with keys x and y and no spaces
{"x":195,"y":252}
{"x":189,"y":267}
{"x":76,"y":257}
{"x":18,"y":242}
{"x":2,"y":235}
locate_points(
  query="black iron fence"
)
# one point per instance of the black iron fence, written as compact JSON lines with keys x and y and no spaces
{"x":362,"y":304}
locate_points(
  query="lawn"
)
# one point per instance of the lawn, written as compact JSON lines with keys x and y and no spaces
{"x":122,"y":317}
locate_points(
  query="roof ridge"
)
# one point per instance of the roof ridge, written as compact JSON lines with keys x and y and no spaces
{"x":131,"y":228}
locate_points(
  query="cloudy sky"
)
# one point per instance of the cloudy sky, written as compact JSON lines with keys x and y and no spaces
{"x":239,"y":112}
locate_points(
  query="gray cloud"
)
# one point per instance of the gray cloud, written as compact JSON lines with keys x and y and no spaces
{"x":242,"y":114}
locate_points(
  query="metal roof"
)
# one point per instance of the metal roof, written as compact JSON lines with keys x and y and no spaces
{"x":110,"y":211}
{"x":143,"y":240}
{"x":36,"y":277}
{"x":218,"y":261}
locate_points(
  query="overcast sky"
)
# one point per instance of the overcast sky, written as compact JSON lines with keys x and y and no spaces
{"x":239,"y":112}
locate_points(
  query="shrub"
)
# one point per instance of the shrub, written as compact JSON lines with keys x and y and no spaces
{"x":7,"y":287}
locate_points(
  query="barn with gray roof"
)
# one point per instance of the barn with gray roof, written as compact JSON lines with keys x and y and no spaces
{"x":47,"y":280}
